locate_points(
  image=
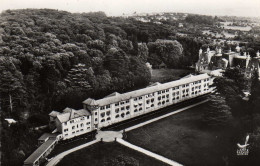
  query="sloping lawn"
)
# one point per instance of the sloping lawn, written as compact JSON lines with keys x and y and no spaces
{"x":108,"y":154}
{"x":166,"y":75}
{"x":184,"y":138}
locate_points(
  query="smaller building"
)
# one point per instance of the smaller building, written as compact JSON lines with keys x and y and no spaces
{"x":48,"y":143}
{"x":71,"y":123}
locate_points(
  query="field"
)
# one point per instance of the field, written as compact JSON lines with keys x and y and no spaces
{"x":102,"y":154}
{"x":183,"y":138}
{"x":165,"y":75}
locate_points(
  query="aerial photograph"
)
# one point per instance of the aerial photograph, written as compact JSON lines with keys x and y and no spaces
{"x":129,"y":83}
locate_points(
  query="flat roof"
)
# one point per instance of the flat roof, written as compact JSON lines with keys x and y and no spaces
{"x":47,"y":135}
{"x":39,"y":151}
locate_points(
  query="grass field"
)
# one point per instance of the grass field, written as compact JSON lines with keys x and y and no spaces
{"x":101,"y":154}
{"x":183,"y":138}
{"x":165,"y":75}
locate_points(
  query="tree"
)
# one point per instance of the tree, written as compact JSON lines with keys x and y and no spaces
{"x":78,"y":77}
{"x":11,"y":88}
{"x":169,"y":51}
{"x":254,"y":99}
{"x":217,"y":112}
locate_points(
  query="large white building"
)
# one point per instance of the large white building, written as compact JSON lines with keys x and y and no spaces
{"x":118,"y":107}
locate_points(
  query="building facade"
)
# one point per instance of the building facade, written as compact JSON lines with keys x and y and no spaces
{"x":118,"y":107}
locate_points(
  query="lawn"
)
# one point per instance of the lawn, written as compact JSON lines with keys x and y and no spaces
{"x":184,"y":138}
{"x":102,"y":154}
{"x":165,"y":75}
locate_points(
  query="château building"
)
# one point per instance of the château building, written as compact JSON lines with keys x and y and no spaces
{"x":212,"y":60}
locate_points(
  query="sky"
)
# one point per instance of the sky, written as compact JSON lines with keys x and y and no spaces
{"x":249,"y":8}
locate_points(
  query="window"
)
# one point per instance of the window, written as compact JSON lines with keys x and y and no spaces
{"x":159,"y":103}
{"x":73,"y":127}
{"x":152,"y":105}
{"x":72,"y":121}
{"x":127,"y":113}
{"x":101,"y":108}
{"x":95,"y":113}
{"x":122,"y":108}
{"x":178,"y":93}
{"x":123,"y":115}
{"x":108,"y":106}
{"x":167,"y":96}
{"x":102,"y":120}
{"x":66,"y":134}
{"x":102,"y":114}
{"x":88,"y":128}
{"x":117,"y":110}
{"x":192,"y":88}
{"x":108,"y":113}
{"x":135,"y":99}
{"x":159,"y":98}
{"x":95,"y":119}
{"x":163,"y":102}
{"x":173,"y":88}
{"x":163,"y":96}
{"x":108,"y":118}
{"x":88,"y":123}
{"x":167,"y":90}
{"x":87,"y":117}
{"x":81,"y":129}
{"x":140,"y":98}
{"x":135,"y":110}
{"x":167,"y":100}
{"x":117,"y":104}
{"x":73,"y":132}
{"x":65,"y":123}
{"x":122,"y":103}
{"x":127,"y":101}
{"x":147,"y":101}
{"x":152,"y":100}
{"x":65,"y":130}
{"x":117,"y":116}
{"x":81,"y":125}
{"x":183,"y":86}
{"x":128,"y":107}
{"x":140,"y":109}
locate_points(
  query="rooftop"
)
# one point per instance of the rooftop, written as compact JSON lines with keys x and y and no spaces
{"x":69,"y":113}
{"x":126,"y":96}
{"x":47,"y":135}
{"x":38,"y":152}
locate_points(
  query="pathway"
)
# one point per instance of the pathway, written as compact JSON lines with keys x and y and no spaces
{"x":148,"y":153}
{"x":164,"y":116}
{"x":108,"y":136}
{"x":57,"y":158}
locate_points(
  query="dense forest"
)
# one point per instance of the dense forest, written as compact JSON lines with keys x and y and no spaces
{"x":52,"y":59}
